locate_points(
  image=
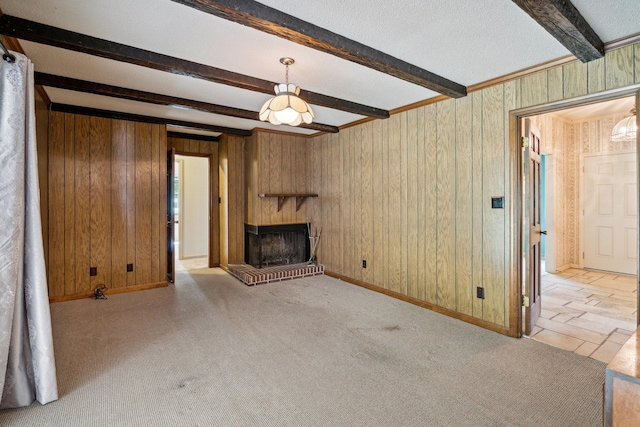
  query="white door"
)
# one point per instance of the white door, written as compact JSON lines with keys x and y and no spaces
{"x":610,"y":213}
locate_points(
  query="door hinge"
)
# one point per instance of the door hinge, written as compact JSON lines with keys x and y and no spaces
{"x":525,"y":141}
{"x":525,"y":301}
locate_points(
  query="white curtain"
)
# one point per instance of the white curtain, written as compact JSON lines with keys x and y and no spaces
{"x":27,"y":368}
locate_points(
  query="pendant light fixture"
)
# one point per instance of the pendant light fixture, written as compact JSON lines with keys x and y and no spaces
{"x":626,"y":130}
{"x":286,"y":107}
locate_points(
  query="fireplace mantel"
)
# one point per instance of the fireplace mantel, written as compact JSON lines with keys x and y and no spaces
{"x":300,"y":197}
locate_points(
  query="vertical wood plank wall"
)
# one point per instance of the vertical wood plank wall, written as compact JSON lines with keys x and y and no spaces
{"x":232,"y":194}
{"x":432,"y":233}
{"x":276,"y":163}
{"x":106,"y":204}
{"x":192,"y":146}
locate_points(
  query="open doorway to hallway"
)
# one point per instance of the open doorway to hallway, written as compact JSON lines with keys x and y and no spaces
{"x":589,"y":275}
{"x":191,"y":212}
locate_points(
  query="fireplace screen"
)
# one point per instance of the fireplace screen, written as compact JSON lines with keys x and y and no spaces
{"x":268,"y":245}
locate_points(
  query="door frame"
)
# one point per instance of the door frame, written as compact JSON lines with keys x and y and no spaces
{"x":210,"y":262}
{"x":516,"y":251}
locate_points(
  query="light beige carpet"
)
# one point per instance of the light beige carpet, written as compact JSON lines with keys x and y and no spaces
{"x":211,"y":351}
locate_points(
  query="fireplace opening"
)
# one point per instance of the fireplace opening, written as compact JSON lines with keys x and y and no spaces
{"x":269,"y":245}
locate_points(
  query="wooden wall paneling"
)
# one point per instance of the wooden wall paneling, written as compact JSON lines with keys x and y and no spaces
{"x":264,"y":170}
{"x":421,"y":205}
{"x":337,"y":172}
{"x":493,"y":238}
{"x":131,"y":202}
{"x":395,"y":198}
{"x":304,"y":146}
{"x":82,"y":224}
{"x":214,"y":243}
{"x":251,"y":171}
{"x":595,"y":75}
{"x":386,"y":201}
{"x":554,"y":84}
{"x":224,"y":196}
{"x":533,"y":88}
{"x":356,"y":212}
{"x":322,"y":188}
{"x":478,"y":199}
{"x":347,"y":202}
{"x":204,"y":147}
{"x":118,"y":203}
{"x":100,"y":200}
{"x":142,"y":265}
{"x":367,"y":210}
{"x":156,"y":243}
{"x":403,"y":203}
{"x":511,"y":276}
{"x":236,"y":200}
{"x":575,"y":79}
{"x":162,"y":203}
{"x":56,"y":272}
{"x":378,"y":248}
{"x":431,"y":199}
{"x":275,"y":166}
{"x":286,"y":178}
{"x":464,"y":207}
{"x":619,"y":68}
{"x":446,"y":199}
{"x":69,"y":205}
{"x":412,"y":203}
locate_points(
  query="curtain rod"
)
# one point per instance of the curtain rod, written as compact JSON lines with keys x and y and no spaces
{"x":7,"y":56}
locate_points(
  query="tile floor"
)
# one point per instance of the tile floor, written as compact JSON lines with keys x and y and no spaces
{"x":588,"y":312}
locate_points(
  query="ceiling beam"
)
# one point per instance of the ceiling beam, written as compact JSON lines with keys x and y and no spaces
{"x":564,"y":22}
{"x":194,"y":136}
{"x":74,"y":109}
{"x":269,"y":20}
{"x":52,"y":36}
{"x":67,"y":83}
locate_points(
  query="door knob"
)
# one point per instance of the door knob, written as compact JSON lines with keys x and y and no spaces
{"x":544,"y":232}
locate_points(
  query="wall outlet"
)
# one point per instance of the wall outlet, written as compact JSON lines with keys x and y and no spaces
{"x":364,"y":263}
{"x":129,"y":267}
{"x":93,"y":271}
{"x":480,"y":292}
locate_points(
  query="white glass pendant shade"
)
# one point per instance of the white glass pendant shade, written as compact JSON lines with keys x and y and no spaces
{"x":625,"y":131}
{"x":286,"y":107}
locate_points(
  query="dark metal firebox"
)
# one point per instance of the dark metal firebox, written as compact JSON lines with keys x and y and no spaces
{"x":266,"y":245}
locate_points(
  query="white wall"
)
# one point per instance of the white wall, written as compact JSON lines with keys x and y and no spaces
{"x":194,"y":209}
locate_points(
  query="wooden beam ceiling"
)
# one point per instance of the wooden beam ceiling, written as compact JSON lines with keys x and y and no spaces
{"x":52,"y":36}
{"x":74,"y":109}
{"x":564,"y":22}
{"x":272,"y":21}
{"x":194,"y":136}
{"x":60,"y":82}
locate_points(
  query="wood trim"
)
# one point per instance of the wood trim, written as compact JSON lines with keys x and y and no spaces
{"x":272,"y":21}
{"x":65,"y":108}
{"x":113,"y":291}
{"x":85,"y":86}
{"x":464,"y":317}
{"x":564,"y":22}
{"x":52,"y":36}
{"x":515,"y":227}
{"x":197,"y":137}
{"x":622,"y":42}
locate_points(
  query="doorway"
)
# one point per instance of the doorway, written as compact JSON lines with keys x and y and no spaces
{"x":575,"y":296}
{"x":191,"y":205}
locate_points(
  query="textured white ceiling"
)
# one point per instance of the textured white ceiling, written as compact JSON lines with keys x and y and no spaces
{"x":465,"y":41}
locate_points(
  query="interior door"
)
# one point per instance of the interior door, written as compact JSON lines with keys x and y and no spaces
{"x":532,"y":230}
{"x":610,"y":213}
{"x":171,"y":263}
